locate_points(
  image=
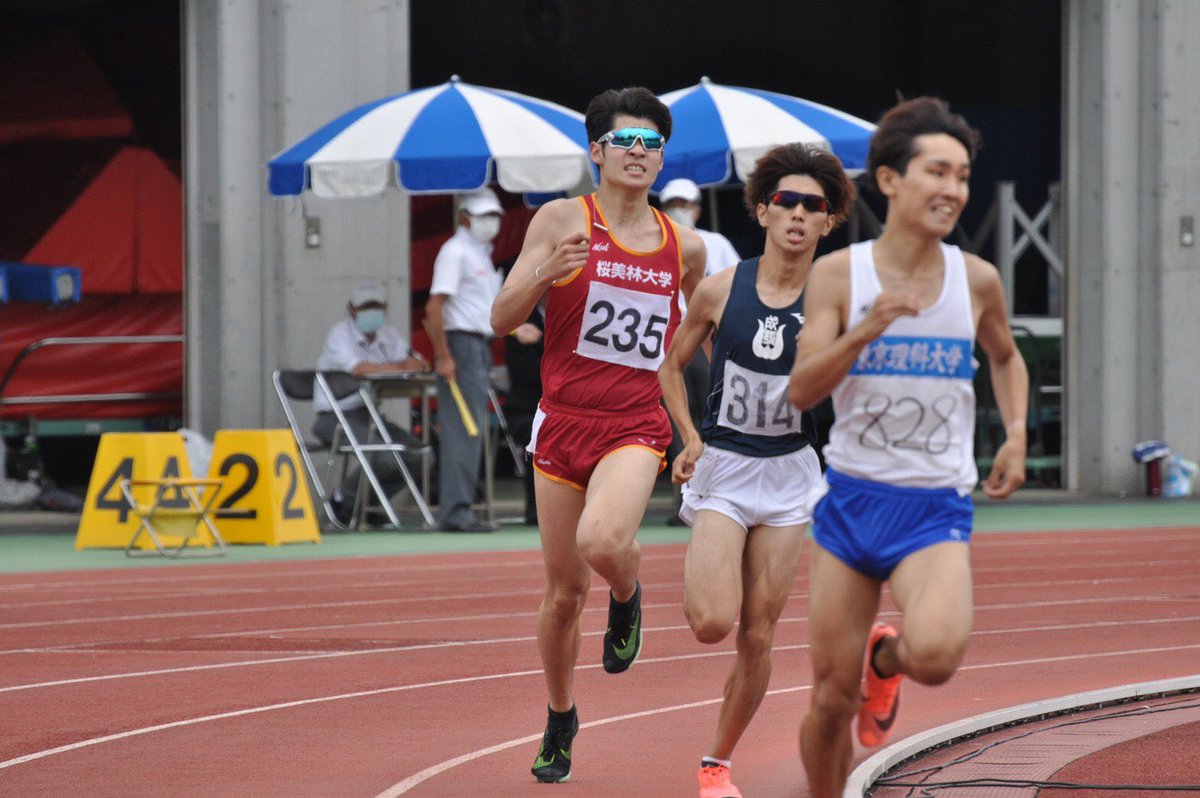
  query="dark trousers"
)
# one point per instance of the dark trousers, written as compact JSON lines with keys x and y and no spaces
{"x":460,"y":455}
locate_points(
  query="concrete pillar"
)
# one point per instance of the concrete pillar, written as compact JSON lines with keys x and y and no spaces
{"x":260,"y":74}
{"x":1177,"y":108}
{"x":1130,"y":165}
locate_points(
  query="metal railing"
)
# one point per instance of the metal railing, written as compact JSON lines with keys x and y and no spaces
{"x":84,"y":397}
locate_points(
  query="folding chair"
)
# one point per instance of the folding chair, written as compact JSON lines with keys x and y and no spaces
{"x":298,"y":385}
{"x":178,"y":508}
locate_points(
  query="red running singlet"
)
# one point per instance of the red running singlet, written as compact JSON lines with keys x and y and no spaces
{"x":608,"y":325}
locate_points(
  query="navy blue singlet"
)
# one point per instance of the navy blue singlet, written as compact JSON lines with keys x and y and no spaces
{"x":747,"y":409}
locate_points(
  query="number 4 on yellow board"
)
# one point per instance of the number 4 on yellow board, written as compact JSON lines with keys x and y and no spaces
{"x":107,"y":521}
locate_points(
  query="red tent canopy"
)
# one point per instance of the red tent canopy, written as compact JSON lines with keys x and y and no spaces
{"x":124,"y":231}
{"x":56,"y":92}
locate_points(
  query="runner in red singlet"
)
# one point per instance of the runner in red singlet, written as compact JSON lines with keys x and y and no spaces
{"x":609,"y":269}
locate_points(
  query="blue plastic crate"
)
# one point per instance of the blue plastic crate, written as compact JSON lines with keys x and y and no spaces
{"x":35,"y":282}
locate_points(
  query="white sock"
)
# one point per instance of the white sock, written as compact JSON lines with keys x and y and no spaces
{"x":712,"y":760}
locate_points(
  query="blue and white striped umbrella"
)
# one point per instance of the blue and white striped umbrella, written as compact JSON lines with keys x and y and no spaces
{"x":714,"y":125}
{"x":447,"y":138}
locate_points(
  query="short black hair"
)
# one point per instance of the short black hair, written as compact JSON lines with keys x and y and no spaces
{"x":635,"y":101}
{"x":800,"y":159}
{"x":893,"y":143}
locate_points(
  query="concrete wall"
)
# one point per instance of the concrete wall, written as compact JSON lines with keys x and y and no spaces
{"x":1132,"y":155}
{"x":260,"y":74}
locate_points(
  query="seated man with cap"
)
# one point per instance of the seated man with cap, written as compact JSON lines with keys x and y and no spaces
{"x":364,"y":343}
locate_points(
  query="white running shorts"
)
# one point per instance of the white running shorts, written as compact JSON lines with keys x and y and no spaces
{"x":753,"y":491}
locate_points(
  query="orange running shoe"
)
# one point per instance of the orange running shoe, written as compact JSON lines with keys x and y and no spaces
{"x":882,"y":699}
{"x":714,"y":782}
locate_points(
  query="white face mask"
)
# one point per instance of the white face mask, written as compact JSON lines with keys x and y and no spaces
{"x":485,"y":228}
{"x":681,"y":215}
{"x":369,"y":321}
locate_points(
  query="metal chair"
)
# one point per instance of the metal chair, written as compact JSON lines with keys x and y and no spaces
{"x":299,"y":385}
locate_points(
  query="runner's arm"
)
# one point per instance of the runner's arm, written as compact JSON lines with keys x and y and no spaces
{"x":695,"y":330}
{"x":1010,"y":378}
{"x":826,"y":350}
{"x":555,"y":246}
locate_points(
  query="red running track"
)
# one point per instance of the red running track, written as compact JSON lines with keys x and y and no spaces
{"x":420,"y":675}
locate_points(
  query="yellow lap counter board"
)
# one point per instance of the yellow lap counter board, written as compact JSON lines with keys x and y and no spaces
{"x":265,"y":496}
{"x":107,"y":520}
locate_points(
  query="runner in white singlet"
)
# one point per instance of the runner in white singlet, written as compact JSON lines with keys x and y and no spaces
{"x":890,"y":330}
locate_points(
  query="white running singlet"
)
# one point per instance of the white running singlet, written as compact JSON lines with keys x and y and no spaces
{"x":905,"y":414}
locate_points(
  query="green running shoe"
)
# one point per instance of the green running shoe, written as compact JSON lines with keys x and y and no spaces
{"x":553,"y":763}
{"x":623,"y":638}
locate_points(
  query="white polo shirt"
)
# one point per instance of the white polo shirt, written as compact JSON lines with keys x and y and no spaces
{"x":719,"y":255}
{"x":720,"y":252}
{"x":465,"y":275}
{"x":346,"y":346}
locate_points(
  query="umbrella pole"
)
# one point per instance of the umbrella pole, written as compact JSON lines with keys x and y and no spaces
{"x":712,"y":209}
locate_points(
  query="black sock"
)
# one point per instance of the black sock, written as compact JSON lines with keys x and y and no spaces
{"x":627,"y":603}
{"x":562,"y":718}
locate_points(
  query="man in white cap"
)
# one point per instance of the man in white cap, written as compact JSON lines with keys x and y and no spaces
{"x":680,"y":201}
{"x":364,"y":343}
{"x":457,"y":317}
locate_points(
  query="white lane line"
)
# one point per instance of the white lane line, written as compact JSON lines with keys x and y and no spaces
{"x":114,"y":619}
{"x":172,"y":592}
{"x":167,"y":594}
{"x":406,"y":563}
{"x":307,"y":657}
{"x":256,"y":662}
{"x":417,"y":778}
{"x":412,"y":599}
{"x":409,"y":563}
{"x":274,"y":608}
{"x":100,"y":644}
{"x":489,"y":677}
{"x":340,"y":697}
{"x":1090,"y":565}
{"x":503,"y":640}
{"x":192,"y":721}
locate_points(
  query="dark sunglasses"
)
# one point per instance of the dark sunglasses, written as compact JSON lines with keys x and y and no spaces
{"x":813,"y":203}
{"x":626,"y":137}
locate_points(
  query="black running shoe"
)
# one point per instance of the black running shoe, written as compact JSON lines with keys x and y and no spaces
{"x":553,"y":763}
{"x":623,"y":638}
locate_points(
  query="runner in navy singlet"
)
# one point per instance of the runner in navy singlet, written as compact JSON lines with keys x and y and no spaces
{"x":748,"y":474}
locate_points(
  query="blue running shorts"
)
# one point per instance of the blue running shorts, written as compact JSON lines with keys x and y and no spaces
{"x":872,"y":526}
